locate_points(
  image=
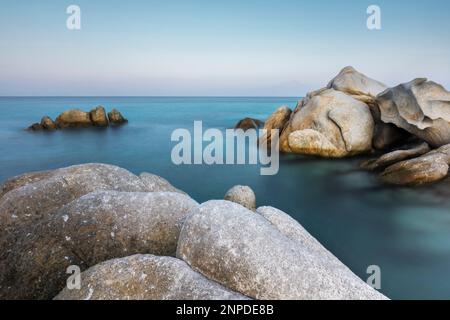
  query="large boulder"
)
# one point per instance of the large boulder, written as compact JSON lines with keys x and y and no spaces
{"x":430,"y":167}
{"x":98,"y":117}
{"x":96,"y":227}
{"x":30,"y":203}
{"x":249,"y":123}
{"x":154,"y":183}
{"x":276,"y":121}
{"x":357,"y":85}
{"x":73,"y":118}
{"x":115,"y":117}
{"x":332,"y":124}
{"x":404,"y":153}
{"x":242,"y":195}
{"x":248,"y":254}
{"x":21,"y":180}
{"x":420,"y":107}
{"x":146,"y":277}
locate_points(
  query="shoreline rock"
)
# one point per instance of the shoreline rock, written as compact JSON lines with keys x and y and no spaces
{"x":88,"y":214}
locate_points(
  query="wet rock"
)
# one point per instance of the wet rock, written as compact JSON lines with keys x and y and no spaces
{"x":154,"y":183}
{"x":96,"y":227}
{"x":249,"y":123}
{"x":248,"y":254}
{"x":430,"y":167}
{"x":420,"y":107}
{"x":146,"y":277}
{"x":98,"y":117}
{"x":242,"y":195}
{"x":408,"y":152}
{"x":115,"y":117}
{"x":73,"y":119}
{"x":332,"y":124}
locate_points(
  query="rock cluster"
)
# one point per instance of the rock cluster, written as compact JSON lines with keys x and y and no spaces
{"x":357,"y":115}
{"x":76,"y":118}
{"x":141,"y":238}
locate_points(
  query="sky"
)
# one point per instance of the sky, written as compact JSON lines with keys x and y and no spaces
{"x":216,"y":48}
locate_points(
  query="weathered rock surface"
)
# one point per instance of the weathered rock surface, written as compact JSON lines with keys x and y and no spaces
{"x":242,"y":195}
{"x":357,"y":85}
{"x":24,"y":179}
{"x":115,"y":117}
{"x":98,"y":117}
{"x":96,"y":227}
{"x":407,"y":152}
{"x":284,"y":138}
{"x":420,"y":107}
{"x":249,"y":123}
{"x":246,"y":253}
{"x":48,"y":124}
{"x":277,"y":120}
{"x":146,"y":277}
{"x":31,"y":202}
{"x":332,"y":124}
{"x":154,"y":183}
{"x":430,"y":167}
{"x":73,"y":118}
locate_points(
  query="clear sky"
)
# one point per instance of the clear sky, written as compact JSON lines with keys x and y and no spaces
{"x":216,"y":48}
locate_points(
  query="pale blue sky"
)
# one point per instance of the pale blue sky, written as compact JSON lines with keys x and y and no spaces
{"x":216,"y":48}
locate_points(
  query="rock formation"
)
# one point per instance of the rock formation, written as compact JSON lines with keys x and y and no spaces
{"x":98,"y":117}
{"x":242,"y":195}
{"x":249,"y":123}
{"x":121,"y":230}
{"x":115,"y":117}
{"x":420,"y":107}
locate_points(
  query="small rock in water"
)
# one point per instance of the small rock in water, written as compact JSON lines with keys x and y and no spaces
{"x":242,"y":195}
{"x":115,"y":117}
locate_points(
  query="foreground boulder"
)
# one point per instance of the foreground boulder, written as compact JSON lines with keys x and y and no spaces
{"x":332,"y":124}
{"x":98,"y":117}
{"x":154,"y":183}
{"x":430,"y":167}
{"x":249,"y":123}
{"x":248,"y":254}
{"x":146,"y":277}
{"x":242,"y":195}
{"x":420,"y":107}
{"x":115,"y":117}
{"x":73,"y":118}
{"x":407,"y":152}
{"x":94,"y":228}
{"x":28,"y":203}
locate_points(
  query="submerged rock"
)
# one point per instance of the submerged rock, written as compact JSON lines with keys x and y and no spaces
{"x":73,"y":118}
{"x":115,"y":117}
{"x":96,"y":227}
{"x":408,"y":152}
{"x":242,"y":195}
{"x":248,"y":254}
{"x":420,"y":107}
{"x":249,"y":123}
{"x":332,"y":124}
{"x":98,"y":117}
{"x":146,"y":277}
{"x":430,"y":167}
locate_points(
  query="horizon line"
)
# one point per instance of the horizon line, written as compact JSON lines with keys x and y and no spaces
{"x":144,"y":96}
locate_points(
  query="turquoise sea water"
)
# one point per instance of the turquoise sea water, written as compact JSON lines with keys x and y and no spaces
{"x":404,"y":231}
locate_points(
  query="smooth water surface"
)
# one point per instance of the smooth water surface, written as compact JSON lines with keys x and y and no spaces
{"x":404,"y":231}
